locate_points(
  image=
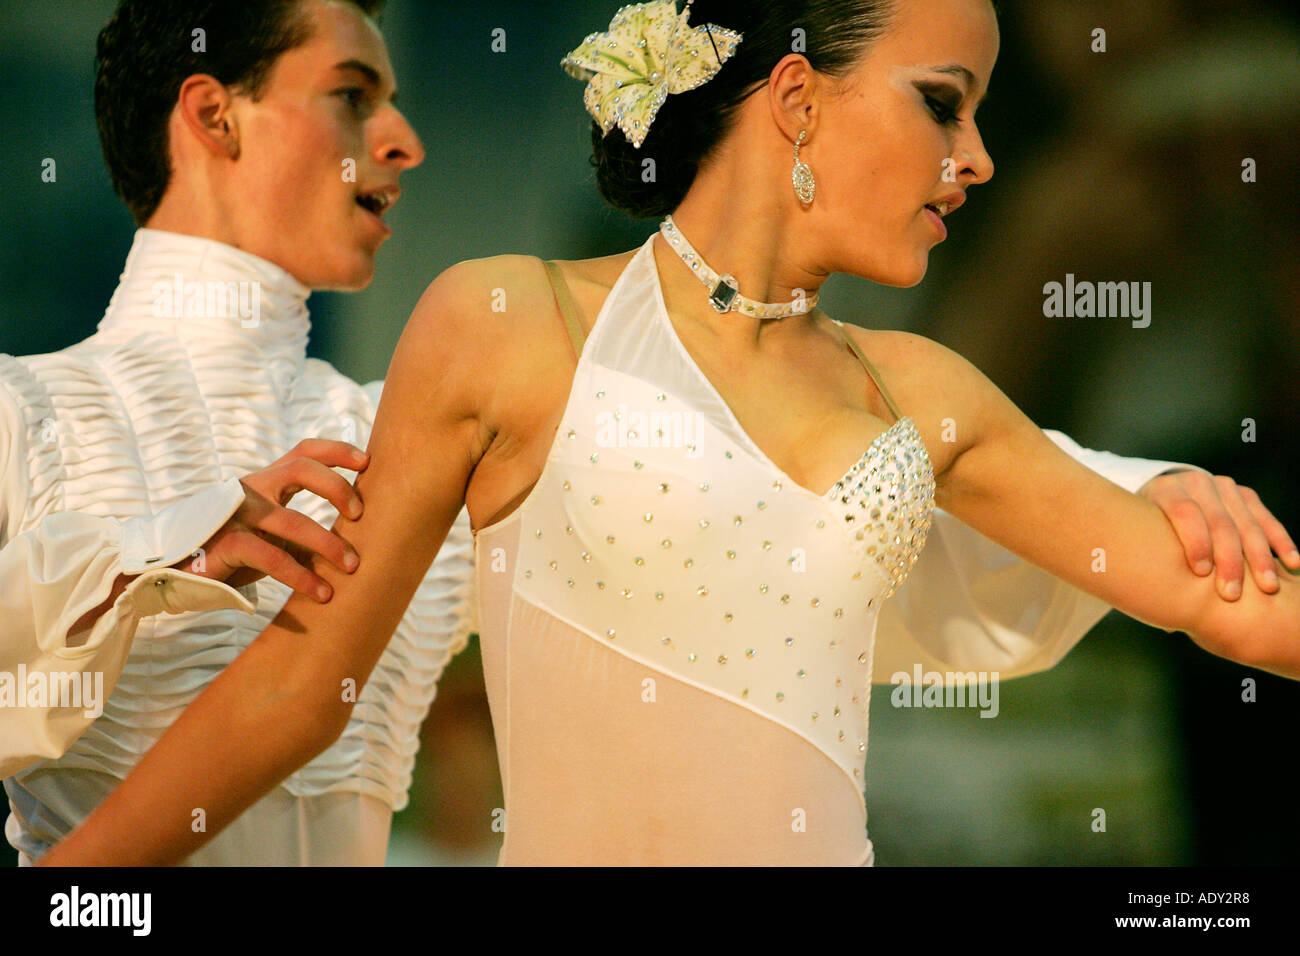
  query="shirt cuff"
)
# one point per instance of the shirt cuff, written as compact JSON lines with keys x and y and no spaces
{"x":1157,"y":468}
{"x":168,"y":591}
{"x":1129,"y":473}
{"x":156,"y":541}
{"x":162,"y":591}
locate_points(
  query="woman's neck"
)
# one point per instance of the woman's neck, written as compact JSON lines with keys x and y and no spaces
{"x":746,"y":231}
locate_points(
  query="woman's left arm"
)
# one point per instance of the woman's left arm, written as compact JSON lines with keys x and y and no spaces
{"x":1011,"y":483}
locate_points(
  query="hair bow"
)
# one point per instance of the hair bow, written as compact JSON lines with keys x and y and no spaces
{"x":648,"y":52}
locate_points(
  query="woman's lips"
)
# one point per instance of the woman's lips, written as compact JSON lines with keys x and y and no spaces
{"x":938,"y":222}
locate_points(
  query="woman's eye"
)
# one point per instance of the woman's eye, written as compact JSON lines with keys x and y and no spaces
{"x":942,"y":112}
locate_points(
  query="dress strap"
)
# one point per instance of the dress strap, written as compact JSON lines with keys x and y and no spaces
{"x":564,"y":299}
{"x":871,"y":369}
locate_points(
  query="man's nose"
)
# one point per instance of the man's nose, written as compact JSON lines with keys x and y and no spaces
{"x":400,"y":145}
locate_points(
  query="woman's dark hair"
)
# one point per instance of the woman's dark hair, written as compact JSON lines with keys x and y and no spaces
{"x":147,"y":51}
{"x":832,"y":34}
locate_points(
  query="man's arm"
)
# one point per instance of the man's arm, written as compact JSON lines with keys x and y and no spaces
{"x":971,"y":604}
{"x":74,"y":588}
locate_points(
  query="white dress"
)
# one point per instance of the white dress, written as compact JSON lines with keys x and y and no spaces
{"x":678,"y":639}
{"x":122,"y":453}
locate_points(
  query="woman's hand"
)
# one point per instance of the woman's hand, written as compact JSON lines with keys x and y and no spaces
{"x":1217,"y":520}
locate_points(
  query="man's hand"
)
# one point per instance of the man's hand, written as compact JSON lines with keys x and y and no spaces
{"x":265,"y":538}
{"x":1218,"y":521}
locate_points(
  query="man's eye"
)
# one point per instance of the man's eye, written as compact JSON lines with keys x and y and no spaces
{"x":354,"y":96}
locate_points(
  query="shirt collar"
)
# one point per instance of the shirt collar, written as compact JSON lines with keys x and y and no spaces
{"x":189,"y":286}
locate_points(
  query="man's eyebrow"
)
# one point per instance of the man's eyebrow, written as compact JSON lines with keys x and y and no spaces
{"x":366,"y":70}
{"x":956,"y":69}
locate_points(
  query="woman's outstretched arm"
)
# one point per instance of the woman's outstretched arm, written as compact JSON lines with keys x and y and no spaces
{"x":1011,"y":483}
{"x":282,"y":700}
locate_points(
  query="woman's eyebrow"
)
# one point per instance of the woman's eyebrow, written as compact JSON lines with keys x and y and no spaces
{"x":956,"y":69}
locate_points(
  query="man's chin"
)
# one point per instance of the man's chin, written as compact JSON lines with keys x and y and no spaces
{"x":352,"y":277}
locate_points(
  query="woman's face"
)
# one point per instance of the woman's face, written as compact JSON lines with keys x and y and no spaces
{"x":898,"y":134}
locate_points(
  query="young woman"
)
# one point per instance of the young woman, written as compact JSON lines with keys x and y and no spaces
{"x":683,"y":544}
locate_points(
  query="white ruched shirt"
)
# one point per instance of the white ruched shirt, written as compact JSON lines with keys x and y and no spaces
{"x":122,"y":454}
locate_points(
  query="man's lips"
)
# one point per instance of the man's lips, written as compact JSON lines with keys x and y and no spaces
{"x":376,"y":201}
{"x":379,"y":199}
{"x":374,"y":220}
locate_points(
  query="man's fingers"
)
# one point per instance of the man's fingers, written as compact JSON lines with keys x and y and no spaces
{"x":255,"y":552}
{"x":298,"y":530}
{"x":305,"y":474}
{"x":334,"y":454}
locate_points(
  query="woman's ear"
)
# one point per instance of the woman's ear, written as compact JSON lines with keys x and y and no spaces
{"x":205,"y":107}
{"x":792,"y":93}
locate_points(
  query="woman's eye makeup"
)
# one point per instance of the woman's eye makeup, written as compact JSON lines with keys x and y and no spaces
{"x":942,"y":112}
{"x":942,"y":100}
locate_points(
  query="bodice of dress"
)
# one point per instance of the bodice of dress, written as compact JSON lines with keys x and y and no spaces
{"x":661,"y":531}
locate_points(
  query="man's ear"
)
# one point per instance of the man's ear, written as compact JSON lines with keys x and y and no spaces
{"x":205,"y":105}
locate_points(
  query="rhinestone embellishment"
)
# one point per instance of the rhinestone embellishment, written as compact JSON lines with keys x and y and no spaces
{"x":724,"y":290}
{"x":887,"y":498}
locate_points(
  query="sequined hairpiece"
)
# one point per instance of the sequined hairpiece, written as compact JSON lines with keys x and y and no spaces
{"x":648,"y":52}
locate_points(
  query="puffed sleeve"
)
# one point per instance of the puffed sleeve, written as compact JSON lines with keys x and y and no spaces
{"x":969,"y":604}
{"x":53,"y":682}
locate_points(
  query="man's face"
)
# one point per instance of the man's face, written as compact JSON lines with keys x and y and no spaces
{"x":322,"y":143}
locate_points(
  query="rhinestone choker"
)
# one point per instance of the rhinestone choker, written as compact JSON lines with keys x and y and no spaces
{"x":724,"y":291}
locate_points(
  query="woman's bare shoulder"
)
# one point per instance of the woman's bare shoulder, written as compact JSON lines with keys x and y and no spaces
{"x":591,"y":281}
{"x":888,"y":346}
{"x":932,"y":384}
{"x":479,"y":291}
{"x":512,"y":294}
{"x":489,"y":333}
{"x":910,"y":363}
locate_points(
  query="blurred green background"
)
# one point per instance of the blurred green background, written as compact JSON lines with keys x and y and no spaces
{"x":1122,"y":166}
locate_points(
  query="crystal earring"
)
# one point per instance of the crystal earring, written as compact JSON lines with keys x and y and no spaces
{"x":805,"y":184}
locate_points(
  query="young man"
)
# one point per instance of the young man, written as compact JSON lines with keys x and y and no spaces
{"x":257,"y":143}
{"x":254,"y":194}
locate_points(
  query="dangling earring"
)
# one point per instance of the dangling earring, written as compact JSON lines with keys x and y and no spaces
{"x":805,"y":184}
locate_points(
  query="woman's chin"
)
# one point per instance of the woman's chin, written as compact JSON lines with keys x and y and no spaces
{"x":902,"y":271}
{"x":904,"y":276}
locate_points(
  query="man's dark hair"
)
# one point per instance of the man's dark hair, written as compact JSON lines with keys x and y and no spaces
{"x":148,"y":50}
